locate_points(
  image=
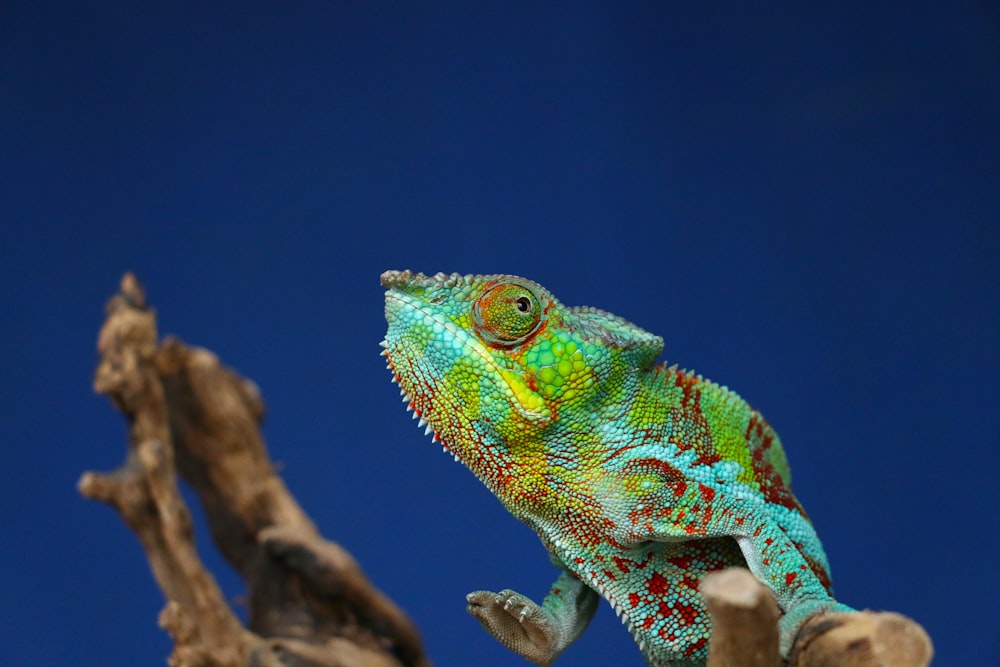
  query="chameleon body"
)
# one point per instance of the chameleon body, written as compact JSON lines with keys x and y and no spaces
{"x":639,"y":478}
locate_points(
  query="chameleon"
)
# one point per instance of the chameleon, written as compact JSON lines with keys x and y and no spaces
{"x":639,"y":478}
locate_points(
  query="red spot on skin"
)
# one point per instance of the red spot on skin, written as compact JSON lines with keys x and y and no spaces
{"x":641,"y":517}
{"x":634,"y":600}
{"x":679,"y":489}
{"x":821,"y":573}
{"x":769,"y":541}
{"x":690,"y":427}
{"x":664,"y":470}
{"x":695,"y":647}
{"x":687,"y":613}
{"x":657,"y":584}
{"x":627,"y":564}
{"x":690,"y":582}
{"x":667,"y":634}
{"x":609,"y":575}
{"x":687,"y":384}
{"x":683,"y":562}
{"x":790,"y":577}
{"x":647,"y":622}
{"x":622,"y":563}
{"x":707,"y":492}
{"x":708,"y":459}
{"x":760,"y":440}
{"x":578,"y":560}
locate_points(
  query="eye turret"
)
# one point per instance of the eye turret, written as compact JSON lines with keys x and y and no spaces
{"x":507,"y":314}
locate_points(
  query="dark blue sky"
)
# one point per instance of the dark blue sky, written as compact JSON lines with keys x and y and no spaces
{"x":803,"y":201}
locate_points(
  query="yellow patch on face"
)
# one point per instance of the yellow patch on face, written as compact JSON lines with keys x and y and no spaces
{"x":531,"y":402}
{"x":463,"y":319}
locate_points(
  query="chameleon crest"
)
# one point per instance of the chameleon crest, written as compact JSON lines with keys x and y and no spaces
{"x":638,"y":478}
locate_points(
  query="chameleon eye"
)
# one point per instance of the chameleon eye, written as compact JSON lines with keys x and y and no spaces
{"x":506,"y":314}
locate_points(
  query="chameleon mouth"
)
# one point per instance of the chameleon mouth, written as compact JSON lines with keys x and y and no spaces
{"x":411,"y":406}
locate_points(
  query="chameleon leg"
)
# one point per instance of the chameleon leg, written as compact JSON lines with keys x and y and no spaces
{"x":775,"y":560}
{"x":539,"y":633}
{"x":778,"y":548}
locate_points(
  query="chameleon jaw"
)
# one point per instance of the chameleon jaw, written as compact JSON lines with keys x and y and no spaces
{"x":411,"y":406}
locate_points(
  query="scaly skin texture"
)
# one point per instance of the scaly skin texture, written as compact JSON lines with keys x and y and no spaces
{"x":638,"y":478}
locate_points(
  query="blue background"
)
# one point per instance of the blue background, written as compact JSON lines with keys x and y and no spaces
{"x":803,"y":201}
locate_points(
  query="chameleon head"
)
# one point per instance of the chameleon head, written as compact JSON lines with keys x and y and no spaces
{"x":490,"y":362}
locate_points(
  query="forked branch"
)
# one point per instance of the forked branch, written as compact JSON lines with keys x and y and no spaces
{"x":309,"y":601}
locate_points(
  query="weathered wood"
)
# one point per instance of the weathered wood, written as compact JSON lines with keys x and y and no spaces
{"x":745,"y":631}
{"x":310,"y":603}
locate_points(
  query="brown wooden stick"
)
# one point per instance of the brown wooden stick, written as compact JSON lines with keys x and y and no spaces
{"x":310,"y":603}
{"x":744,"y":620}
{"x":745,"y":632}
{"x":862,"y":639}
{"x":144,"y":489}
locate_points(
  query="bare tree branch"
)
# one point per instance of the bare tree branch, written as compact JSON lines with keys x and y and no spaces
{"x":745,"y":631}
{"x":310,"y":603}
{"x":744,"y":620}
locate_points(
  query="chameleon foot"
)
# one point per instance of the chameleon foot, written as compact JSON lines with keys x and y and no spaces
{"x":519,"y":624}
{"x":793,"y":620}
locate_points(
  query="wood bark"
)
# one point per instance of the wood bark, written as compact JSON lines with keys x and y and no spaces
{"x":745,"y":631}
{"x":310,"y":604}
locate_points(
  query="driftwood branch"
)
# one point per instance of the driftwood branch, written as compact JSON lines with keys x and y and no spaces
{"x":309,"y":602}
{"x":310,"y":605}
{"x":745,"y":631}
